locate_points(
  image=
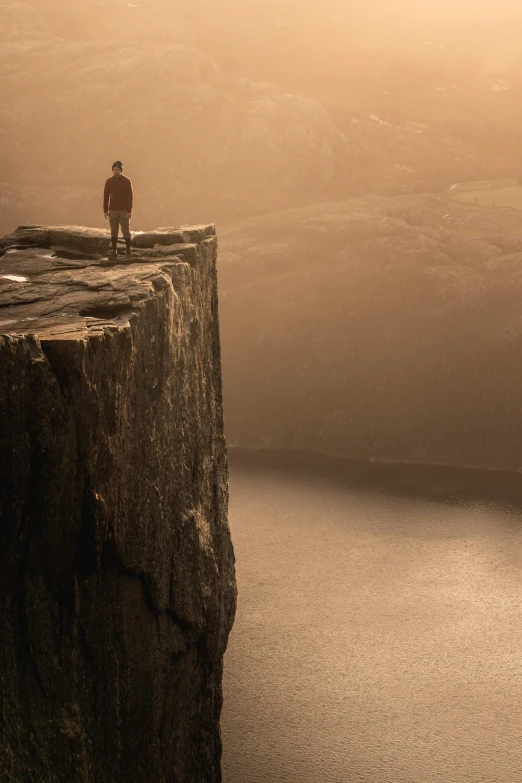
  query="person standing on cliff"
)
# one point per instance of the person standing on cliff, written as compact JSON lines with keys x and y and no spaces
{"x":117,"y":206}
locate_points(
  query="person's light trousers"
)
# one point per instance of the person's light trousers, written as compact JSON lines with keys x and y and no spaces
{"x":119,"y":218}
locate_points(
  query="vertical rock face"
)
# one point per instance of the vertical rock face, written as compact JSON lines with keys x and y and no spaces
{"x":117,"y":585}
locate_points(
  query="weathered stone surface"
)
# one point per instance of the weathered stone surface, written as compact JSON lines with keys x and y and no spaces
{"x":117,"y":587}
{"x":376,"y":328}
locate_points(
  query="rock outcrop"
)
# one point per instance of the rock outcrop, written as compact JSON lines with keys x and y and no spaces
{"x":117,"y":581}
{"x":376,"y":328}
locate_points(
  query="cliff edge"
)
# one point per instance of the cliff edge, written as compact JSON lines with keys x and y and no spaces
{"x":117,"y":581}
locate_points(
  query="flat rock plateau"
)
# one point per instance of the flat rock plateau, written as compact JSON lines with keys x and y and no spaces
{"x":117,"y":574}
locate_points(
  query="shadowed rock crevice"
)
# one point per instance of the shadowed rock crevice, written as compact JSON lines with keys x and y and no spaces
{"x":117,"y":586}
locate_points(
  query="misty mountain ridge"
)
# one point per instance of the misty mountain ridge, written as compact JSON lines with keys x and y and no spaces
{"x":385,"y":328}
{"x":213,"y":130}
{"x":223,"y":125}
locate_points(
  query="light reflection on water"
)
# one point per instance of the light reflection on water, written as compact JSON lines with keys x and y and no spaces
{"x":377,"y":638}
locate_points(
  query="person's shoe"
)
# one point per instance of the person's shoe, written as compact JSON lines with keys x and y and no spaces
{"x":129,"y":252}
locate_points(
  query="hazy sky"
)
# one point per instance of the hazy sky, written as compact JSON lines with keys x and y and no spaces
{"x":443,"y":10}
{"x":383,"y":15}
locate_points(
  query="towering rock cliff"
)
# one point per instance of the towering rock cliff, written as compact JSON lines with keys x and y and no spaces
{"x":117,"y":585}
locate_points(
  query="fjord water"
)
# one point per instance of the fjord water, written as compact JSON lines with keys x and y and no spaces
{"x":378,"y":637}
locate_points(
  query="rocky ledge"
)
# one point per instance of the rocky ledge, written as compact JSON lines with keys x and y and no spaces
{"x":117,"y":585}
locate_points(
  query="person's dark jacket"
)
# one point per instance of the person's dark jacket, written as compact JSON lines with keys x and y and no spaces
{"x":118,"y":194}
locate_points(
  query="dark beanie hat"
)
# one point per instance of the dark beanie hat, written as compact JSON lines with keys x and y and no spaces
{"x":118,"y":164}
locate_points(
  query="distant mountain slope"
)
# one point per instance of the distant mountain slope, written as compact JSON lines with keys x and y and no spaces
{"x":220,"y":114}
{"x":195,"y":139}
{"x":379,"y":328}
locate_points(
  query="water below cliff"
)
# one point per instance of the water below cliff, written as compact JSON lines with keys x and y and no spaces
{"x":378,"y":637}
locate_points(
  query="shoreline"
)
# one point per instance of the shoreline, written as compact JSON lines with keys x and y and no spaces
{"x":441,"y":481}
